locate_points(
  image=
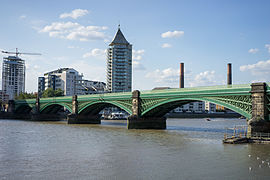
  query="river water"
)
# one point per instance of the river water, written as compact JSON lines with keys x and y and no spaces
{"x":188,"y":149}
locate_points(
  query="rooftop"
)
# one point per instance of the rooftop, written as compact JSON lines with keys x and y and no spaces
{"x":119,"y":38}
{"x":60,"y":70}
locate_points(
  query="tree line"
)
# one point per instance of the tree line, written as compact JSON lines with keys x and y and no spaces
{"x":49,"y":92}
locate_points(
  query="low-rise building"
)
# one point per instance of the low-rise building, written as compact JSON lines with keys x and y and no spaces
{"x":193,"y":107}
{"x":196,"y":107}
{"x":210,"y":107}
{"x":91,"y":87}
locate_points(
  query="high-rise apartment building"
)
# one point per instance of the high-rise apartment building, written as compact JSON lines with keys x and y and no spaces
{"x":119,"y":64}
{"x":13,"y":76}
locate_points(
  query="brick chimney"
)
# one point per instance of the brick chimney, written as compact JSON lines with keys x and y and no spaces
{"x":181,"y":83}
{"x":229,"y":74}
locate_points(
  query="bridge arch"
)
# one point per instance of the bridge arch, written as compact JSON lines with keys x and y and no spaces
{"x":23,"y":109}
{"x":96,"y":107}
{"x":170,"y":104}
{"x":48,"y":107}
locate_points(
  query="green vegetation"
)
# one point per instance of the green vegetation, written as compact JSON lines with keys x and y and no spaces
{"x":25,"y":96}
{"x":52,"y":93}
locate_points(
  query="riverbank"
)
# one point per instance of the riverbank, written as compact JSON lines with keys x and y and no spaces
{"x":244,"y":140}
{"x":6,"y":115}
{"x":203,"y":115}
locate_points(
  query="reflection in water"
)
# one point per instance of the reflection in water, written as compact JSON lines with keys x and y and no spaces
{"x":188,"y":149}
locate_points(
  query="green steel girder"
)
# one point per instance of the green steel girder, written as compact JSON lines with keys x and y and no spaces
{"x":268,"y":104}
{"x":148,"y":103}
{"x":234,"y":105}
{"x":24,"y":104}
{"x":157,"y":102}
{"x":123,"y":104}
{"x":45,"y":106}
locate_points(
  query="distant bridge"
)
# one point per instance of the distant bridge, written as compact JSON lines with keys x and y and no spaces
{"x":147,"y":108}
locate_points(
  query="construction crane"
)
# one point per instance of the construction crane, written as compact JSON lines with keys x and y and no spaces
{"x":19,"y":53}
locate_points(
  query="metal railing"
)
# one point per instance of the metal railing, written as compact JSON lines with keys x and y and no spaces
{"x":236,"y":132}
{"x":260,"y":135}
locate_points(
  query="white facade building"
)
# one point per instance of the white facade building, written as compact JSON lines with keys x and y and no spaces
{"x":196,"y":107}
{"x":70,"y":81}
{"x":210,"y":107}
{"x":13,"y":76}
{"x":119,"y":64}
{"x":64,"y":78}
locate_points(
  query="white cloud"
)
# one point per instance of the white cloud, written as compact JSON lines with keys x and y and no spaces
{"x":170,"y":77}
{"x":74,"y":31}
{"x":253,"y":50}
{"x":34,"y":70}
{"x":95,"y":53}
{"x":268,"y":47}
{"x":166,"y":45}
{"x":206,"y":78}
{"x":136,"y":59}
{"x":90,"y":70}
{"x":172,"y":34}
{"x":137,"y":65}
{"x":22,"y":16}
{"x":137,"y":55}
{"x":74,"y":14}
{"x":261,"y":68}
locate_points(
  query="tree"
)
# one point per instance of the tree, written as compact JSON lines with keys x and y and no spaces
{"x":49,"y":92}
{"x":58,"y":92}
{"x":25,"y":96}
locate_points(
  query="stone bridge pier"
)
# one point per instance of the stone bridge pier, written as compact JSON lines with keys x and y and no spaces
{"x":260,"y":121}
{"x":136,"y":121}
{"x":75,"y":118}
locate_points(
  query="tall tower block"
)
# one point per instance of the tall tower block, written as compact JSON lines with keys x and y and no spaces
{"x":119,"y":64}
{"x":13,"y":76}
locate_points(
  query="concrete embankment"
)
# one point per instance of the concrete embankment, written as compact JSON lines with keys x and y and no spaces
{"x":6,"y":115}
{"x":246,"y":140}
{"x":33,"y":117}
{"x":203,"y":115}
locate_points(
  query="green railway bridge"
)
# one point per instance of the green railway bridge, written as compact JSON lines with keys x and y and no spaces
{"x":147,"y":108}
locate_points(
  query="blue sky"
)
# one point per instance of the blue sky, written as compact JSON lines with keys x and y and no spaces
{"x":204,"y":34}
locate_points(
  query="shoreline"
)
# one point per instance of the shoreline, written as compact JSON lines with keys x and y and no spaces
{"x":202,"y":115}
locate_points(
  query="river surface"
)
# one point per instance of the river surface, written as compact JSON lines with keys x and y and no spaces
{"x":188,"y":149}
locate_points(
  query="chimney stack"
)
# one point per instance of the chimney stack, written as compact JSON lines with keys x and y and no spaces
{"x":229,"y":74}
{"x":181,"y":83}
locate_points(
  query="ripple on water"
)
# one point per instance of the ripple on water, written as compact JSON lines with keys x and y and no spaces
{"x":188,"y":149}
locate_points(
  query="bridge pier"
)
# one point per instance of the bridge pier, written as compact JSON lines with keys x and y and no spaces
{"x":11,"y":107}
{"x":146,"y":122}
{"x":47,"y":117}
{"x":260,"y":121}
{"x":83,"y":119}
{"x":75,"y":118}
{"x":135,"y":121}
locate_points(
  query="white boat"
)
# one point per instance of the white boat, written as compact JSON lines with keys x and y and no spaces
{"x":117,"y":116}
